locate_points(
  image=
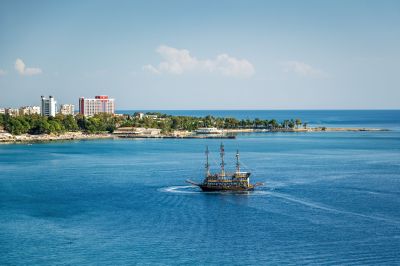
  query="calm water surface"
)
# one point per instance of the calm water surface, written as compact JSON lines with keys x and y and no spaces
{"x":329,"y":198}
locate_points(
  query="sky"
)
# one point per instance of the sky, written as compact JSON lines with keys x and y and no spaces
{"x":160,"y":55}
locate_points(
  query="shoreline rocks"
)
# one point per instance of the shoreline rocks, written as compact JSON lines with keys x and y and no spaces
{"x":7,"y":138}
{"x":26,"y":138}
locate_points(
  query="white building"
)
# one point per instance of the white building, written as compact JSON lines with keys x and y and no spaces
{"x":48,"y":106}
{"x":12,"y":111}
{"x":140,"y":115}
{"x":29,"y":110}
{"x":100,"y":104}
{"x":67,"y":109}
{"x":2,"y":110}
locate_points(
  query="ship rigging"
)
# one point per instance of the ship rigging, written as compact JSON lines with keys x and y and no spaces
{"x":223,"y":181}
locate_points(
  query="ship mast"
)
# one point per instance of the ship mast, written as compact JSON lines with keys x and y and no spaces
{"x":237,"y":162}
{"x":222,"y":153}
{"x":207,"y":164}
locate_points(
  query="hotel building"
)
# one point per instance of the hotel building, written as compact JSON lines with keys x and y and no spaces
{"x":48,"y":106}
{"x":100,"y":104}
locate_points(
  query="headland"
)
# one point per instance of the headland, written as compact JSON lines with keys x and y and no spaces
{"x":36,"y":128}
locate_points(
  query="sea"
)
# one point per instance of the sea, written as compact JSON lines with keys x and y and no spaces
{"x":329,"y":198}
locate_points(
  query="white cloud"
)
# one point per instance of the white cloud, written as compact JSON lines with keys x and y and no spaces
{"x":231,"y":66}
{"x":26,"y":71}
{"x":303,"y":69}
{"x":2,"y":72}
{"x":150,"y":68}
{"x":180,"y":61}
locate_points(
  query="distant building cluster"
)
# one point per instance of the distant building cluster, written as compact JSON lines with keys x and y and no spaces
{"x":48,"y":107}
{"x":24,"y":110}
{"x":29,"y":110}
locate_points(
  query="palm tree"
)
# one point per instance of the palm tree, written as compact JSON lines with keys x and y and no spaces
{"x":291,"y":123}
{"x":273,"y":123}
{"x":285,"y":124}
{"x":298,"y":122}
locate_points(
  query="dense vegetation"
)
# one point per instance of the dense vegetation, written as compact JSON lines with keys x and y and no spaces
{"x":168,"y":122}
{"x":36,"y":124}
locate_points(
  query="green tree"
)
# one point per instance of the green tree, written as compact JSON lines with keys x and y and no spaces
{"x":2,"y":118}
{"x":16,"y":126}
{"x":55,"y":126}
{"x":40,"y":126}
{"x":176,"y":122}
{"x":70,"y":123}
{"x":285,"y":124}
{"x":258,"y":122}
{"x":298,"y":122}
{"x":291,"y":123}
{"x":273,"y":124}
{"x":82,"y":122}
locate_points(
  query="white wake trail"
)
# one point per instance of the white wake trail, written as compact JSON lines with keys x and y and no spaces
{"x":331,"y":209}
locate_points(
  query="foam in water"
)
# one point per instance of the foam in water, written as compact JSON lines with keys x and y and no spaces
{"x":195,"y":190}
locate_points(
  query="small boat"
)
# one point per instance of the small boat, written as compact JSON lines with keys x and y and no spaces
{"x":222,"y":181}
{"x":208,"y":130}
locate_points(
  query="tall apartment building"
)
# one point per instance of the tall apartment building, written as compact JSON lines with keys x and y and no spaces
{"x":100,"y":104}
{"x":48,"y":106}
{"x":67,"y":109}
{"x":29,"y":110}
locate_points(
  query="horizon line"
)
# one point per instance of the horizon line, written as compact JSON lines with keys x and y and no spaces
{"x":361,"y":109}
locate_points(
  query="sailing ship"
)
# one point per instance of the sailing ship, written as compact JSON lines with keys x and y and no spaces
{"x":223,"y":181}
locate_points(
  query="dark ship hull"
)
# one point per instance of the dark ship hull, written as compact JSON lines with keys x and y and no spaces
{"x":214,"y":188}
{"x":206,"y":188}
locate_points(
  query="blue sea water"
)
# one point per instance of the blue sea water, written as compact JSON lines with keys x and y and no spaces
{"x":329,"y":198}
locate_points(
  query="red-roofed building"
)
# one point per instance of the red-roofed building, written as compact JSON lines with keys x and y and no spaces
{"x":100,"y":104}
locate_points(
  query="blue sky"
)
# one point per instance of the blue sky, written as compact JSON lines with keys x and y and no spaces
{"x":202,"y":54}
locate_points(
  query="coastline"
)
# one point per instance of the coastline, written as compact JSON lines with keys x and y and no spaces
{"x":7,"y":138}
